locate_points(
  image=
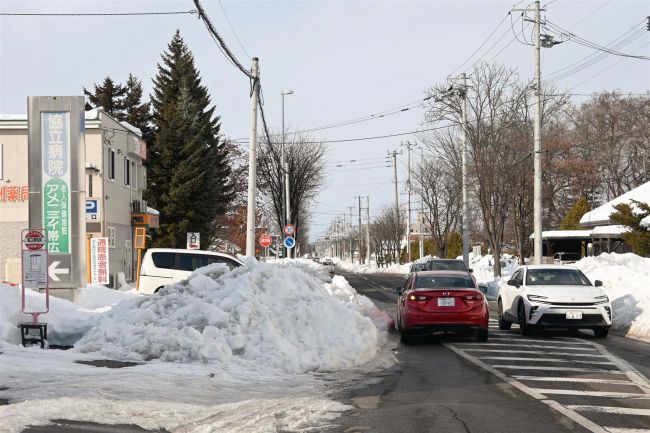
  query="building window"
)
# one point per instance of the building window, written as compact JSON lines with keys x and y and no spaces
{"x":110,"y":234}
{"x":134,"y":175}
{"x":111,"y":164}
{"x":90,"y":185}
{"x":127,"y":172}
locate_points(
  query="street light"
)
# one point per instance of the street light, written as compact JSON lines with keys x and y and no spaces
{"x":285,"y":168}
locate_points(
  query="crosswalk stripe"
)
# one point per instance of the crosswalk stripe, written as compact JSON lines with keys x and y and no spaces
{"x":592,"y":393}
{"x":465,"y":346}
{"x":507,"y":358}
{"x":626,"y":430}
{"x":537,"y":352}
{"x":563,"y":368}
{"x":573,"y":380}
{"x":552,"y":341}
{"x":610,"y":409}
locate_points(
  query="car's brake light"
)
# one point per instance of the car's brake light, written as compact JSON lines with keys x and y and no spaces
{"x":476,"y":297}
{"x":418,"y":298}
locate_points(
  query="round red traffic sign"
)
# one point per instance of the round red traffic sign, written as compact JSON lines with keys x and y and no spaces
{"x":34,"y":240}
{"x":289,"y":230}
{"x":266,"y":240}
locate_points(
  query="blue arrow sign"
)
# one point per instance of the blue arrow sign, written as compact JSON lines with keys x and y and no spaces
{"x":289,"y":242}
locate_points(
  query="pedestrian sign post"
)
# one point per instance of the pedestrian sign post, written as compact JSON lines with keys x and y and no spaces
{"x":193,"y":241}
{"x":289,"y":242}
{"x":35,"y":277}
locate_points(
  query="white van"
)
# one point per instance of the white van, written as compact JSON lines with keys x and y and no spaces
{"x":161,"y":266}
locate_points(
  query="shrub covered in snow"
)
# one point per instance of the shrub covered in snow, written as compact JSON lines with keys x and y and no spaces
{"x":281,"y":315}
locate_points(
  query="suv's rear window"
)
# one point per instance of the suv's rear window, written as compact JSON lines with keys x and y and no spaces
{"x":164,"y":260}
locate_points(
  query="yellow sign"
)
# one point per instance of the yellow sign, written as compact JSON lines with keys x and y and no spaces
{"x":140,"y":238}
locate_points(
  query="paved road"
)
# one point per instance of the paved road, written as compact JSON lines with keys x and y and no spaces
{"x":550,"y":382}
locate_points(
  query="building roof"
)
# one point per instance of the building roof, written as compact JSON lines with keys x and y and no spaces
{"x":600,"y":215}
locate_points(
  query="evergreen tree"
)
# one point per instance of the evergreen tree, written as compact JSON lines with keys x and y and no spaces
{"x":110,"y":96}
{"x":136,"y":112}
{"x":630,"y":216}
{"x":188,"y":165}
{"x":571,"y":220}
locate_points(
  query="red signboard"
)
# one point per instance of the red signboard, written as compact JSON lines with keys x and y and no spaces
{"x":266,"y":240}
{"x":34,"y":240}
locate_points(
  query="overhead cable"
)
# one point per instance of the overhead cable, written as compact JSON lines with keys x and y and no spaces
{"x":94,"y":14}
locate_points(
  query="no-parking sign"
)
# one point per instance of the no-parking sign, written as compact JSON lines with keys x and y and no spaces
{"x":289,"y":230}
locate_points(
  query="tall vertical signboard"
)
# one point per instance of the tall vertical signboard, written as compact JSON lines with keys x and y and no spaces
{"x":57,"y":198}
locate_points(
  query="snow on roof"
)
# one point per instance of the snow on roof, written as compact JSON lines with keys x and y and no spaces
{"x":645,"y":222}
{"x":131,"y":128}
{"x":609,"y":230}
{"x":565,"y":234}
{"x":152,"y":211}
{"x":600,"y":215}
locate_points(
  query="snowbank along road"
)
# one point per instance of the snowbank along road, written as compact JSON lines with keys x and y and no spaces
{"x":546,"y":382}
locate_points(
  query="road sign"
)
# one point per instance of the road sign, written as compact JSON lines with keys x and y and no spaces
{"x":140,"y":241}
{"x":34,"y":240}
{"x":266,"y":240}
{"x":289,"y":230}
{"x":289,"y":242}
{"x":193,"y":240}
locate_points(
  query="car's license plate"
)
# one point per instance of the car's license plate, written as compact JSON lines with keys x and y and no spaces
{"x":574,"y":314}
{"x":446,"y":302}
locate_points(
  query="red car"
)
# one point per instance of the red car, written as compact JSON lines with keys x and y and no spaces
{"x":441,"y":301}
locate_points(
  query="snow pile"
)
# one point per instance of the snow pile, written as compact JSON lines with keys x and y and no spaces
{"x":278,"y":316}
{"x":626,"y":280}
{"x":66,"y":322}
{"x":365,"y":269}
{"x":645,"y":222}
{"x":98,"y":297}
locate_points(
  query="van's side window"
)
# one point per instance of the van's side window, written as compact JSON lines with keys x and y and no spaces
{"x":164,"y":260}
{"x":230,"y":263}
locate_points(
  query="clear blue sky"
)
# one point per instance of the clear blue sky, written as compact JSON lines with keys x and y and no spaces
{"x":343,"y":59}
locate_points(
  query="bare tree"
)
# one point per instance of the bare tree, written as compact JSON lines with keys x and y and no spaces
{"x":306,"y":160}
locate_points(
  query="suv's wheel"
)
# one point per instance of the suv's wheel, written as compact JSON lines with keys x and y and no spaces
{"x":601,"y":332}
{"x":503,"y":323}
{"x":524,"y":327}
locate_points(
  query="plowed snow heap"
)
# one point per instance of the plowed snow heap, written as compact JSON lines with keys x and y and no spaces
{"x":282,"y":316}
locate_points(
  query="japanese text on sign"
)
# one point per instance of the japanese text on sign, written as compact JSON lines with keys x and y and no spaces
{"x":14,"y":194}
{"x":99,"y":260}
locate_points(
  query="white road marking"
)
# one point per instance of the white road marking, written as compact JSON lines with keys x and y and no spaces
{"x":541,"y":346}
{"x":563,"y":368}
{"x":537,"y":340}
{"x":626,"y":430}
{"x":592,"y":393}
{"x":572,"y":415}
{"x":508,"y":358}
{"x":537,"y":352}
{"x":632,"y":374}
{"x":610,"y":409}
{"x":574,"y":380}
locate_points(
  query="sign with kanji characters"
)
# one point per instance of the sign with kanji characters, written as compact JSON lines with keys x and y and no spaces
{"x":56,"y":193}
{"x":193,"y":240}
{"x":34,"y":240}
{"x":14,"y":194}
{"x":266,"y":240}
{"x":99,"y":260}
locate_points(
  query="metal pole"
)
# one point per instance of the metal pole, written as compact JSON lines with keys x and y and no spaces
{"x":537,"y":208}
{"x":283,"y":214}
{"x":408,"y":207}
{"x":395,"y":180}
{"x":464,"y":175}
{"x":360,"y":259}
{"x":368,"y":230}
{"x":252,"y":168}
{"x":421,"y":208}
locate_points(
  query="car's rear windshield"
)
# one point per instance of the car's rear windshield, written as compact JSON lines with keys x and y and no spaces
{"x":556,"y":277}
{"x":447,"y":265}
{"x":439,"y":282}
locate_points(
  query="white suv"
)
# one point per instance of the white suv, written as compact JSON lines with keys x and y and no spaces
{"x":554,"y":296}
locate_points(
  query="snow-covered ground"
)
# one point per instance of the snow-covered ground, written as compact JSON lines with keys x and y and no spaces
{"x":365,"y":269}
{"x":253,"y":349}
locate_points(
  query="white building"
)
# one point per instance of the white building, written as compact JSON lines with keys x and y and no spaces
{"x":115,"y":182}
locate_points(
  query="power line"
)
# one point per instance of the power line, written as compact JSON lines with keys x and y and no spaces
{"x":219,"y":41}
{"x":95,"y":14}
{"x":225,"y":14}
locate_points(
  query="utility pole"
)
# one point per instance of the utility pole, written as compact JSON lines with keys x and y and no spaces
{"x":360,"y":259}
{"x":537,"y":186}
{"x":351,"y":235}
{"x":252,"y":168}
{"x":368,"y":229}
{"x":395,"y":180}
{"x":285,"y":169}
{"x":465,"y":226}
{"x":408,"y":208}
{"x":421,"y":207}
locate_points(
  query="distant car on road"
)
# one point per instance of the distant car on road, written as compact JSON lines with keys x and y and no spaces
{"x":329,"y":265}
{"x":566,"y":258}
{"x":441,"y":301}
{"x":554,"y":296}
{"x":162,"y":266}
